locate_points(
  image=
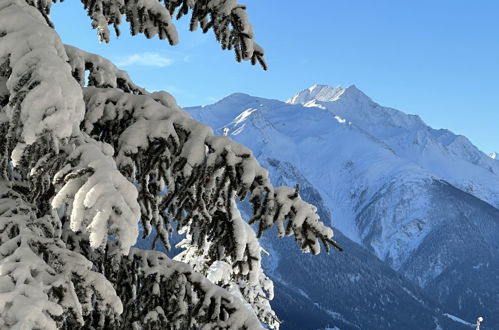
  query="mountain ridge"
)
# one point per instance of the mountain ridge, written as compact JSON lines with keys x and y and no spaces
{"x":384,"y":176}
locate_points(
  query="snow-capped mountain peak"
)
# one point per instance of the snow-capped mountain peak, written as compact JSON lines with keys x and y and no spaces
{"x":409,"y":137}
{"x":494,"y":155}
{"x":325,"y":93}
{"x":439,"y":151}
{"x":322,"y":93}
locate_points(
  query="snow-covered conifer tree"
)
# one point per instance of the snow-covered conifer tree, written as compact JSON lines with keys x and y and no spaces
{"x":84,"y":167}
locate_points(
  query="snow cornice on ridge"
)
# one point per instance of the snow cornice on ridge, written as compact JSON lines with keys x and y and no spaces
{"x":326,"y":93}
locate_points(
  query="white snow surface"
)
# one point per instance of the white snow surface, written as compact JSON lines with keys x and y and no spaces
{"x":349,"y":147}
{"x":103,"y":204}
{"x":37,"y":58}
{"x":317,"y":92}
{"x":459,"y":320}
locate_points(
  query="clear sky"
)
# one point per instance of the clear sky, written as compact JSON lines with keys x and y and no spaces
{"x":435,"y":58}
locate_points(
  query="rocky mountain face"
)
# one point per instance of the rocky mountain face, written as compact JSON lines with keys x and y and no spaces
{"x":414,"y":207}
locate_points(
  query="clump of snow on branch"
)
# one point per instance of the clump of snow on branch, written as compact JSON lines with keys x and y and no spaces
{"x":102,"y":202}
{"x":44,"y":98}
{"x":41,"y":281}
{"x":101,"y":72}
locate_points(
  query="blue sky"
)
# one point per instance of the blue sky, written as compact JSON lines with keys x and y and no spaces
{"x":438,"y":59}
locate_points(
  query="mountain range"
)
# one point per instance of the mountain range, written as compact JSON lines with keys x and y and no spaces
{"x":415,"y":208}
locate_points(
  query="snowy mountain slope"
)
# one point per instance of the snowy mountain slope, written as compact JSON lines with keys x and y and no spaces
{"x":352,"y":290}
{"x":451,"y":157}
{"x":383,"y":189}
{"x":459,"y":260}
{"x":346,"y":165}
{"x":456,"y":258}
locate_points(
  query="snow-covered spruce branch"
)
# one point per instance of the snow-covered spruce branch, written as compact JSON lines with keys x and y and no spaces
{"x":155,"y":290}
{"x":163,"y":293}
{"x":227,"y":19}
{"x":99,"y":198}
{"x":159,"y":293}
{"x":200,"y":174}
{"x":44,"y":109}
{"x":257,"y":292}
{"x":41,"y":100}
{"x":101,"y":72}
{"x":42,"y":283}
